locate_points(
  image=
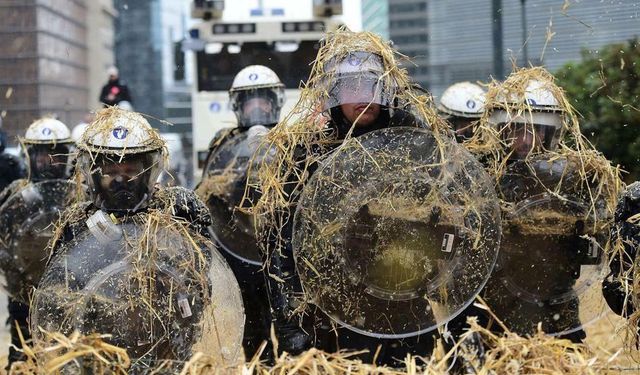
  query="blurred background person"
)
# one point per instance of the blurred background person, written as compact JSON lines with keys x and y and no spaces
{"x":115,"y":91}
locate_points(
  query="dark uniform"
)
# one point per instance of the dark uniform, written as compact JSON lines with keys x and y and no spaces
{"x":18,"y":312}
{"x":615,"y":287}
{"x":296,"y":332}
{"x":11,"y":167}
{"x":184,"y":205}
{"x":249,"y":276}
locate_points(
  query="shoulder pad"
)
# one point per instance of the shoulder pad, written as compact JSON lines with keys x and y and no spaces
{"x":221,"y":136}
{"x":183,"y":203}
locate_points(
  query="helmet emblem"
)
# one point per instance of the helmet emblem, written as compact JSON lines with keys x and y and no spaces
{"x":214,"y":107}
{"x":531,"y":101}
{"x":120,"y":132}
{"x":471,"y":104}
{"x":354,"y":60}
{"x":46,"y":131}
{"x":253,"y":77}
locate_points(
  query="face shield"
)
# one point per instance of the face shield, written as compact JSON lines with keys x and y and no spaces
{"x":257,"y":106}
{"x":48,"y":161}
{"x":356,"y":86}
{"x":357,"y":78}
{"x":462,"y":126}
{"x":121,"y":184}
{"x":529,"y":133}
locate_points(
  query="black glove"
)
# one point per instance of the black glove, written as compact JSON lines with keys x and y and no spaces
{"x":292,"y":338}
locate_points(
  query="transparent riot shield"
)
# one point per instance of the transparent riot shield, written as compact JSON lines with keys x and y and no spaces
{"x":551,"y":261}
{"x":223,"y":190}
{"x":396,"y":233}
{"x":161,"y":293}
{"x":28,"y":220}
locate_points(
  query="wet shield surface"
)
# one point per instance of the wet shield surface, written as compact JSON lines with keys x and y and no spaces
{"x":28,"y":220}
{"x":396,"y":232}
{"x":149,"y":285}
{"x":223,"y":190}
{"x":552,"y":253}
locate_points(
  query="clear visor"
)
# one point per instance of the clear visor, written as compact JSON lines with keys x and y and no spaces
{"x":47,"y":161}
{"x":462,"y":126}
{"x":125,"y":184}
{"x":257,"y":106}
{"x":529,"y":133}
{"x":359,"y":88}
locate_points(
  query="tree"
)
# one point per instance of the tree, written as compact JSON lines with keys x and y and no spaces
{"x":605,"y":89}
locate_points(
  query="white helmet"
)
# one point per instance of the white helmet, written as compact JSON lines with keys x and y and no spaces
{"x":536,"y":108}
{"x":120,"y":132}
{"x":121,"y":156}
{"x":256,"y":96}
{"x":463,"y":99}
{"x":78,"y":130}
{"x":48,"y":145}
{"x":47,"y":130}
{"x":126,"y":105}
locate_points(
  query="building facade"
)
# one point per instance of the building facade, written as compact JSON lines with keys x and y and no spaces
{"x":150,"y":59}
{"x":409,"y":31}
{"x":138,"y":50}
{"x":44,"y":64}
{"x":375,"y":17}
{"x":461,"y":38}
{"x":100,"y":46}
{"x":53,"y":60}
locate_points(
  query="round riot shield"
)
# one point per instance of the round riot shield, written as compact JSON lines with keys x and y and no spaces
{"x":396,"y":232}
{"x":551,"y":259}
{"x":28,"y":219}
{"x":148,"y":284}
{"x":223,"y":190}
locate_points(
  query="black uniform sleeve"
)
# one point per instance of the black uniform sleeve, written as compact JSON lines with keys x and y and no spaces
{"x":284,"y":288}
{"x":221,"y":136}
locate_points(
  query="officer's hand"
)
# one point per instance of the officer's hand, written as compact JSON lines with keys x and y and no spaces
{"x":616,"y":297}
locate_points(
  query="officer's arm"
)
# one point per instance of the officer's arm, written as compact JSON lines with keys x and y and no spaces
{"x":281,"y":276}
{"x":221,"y":136}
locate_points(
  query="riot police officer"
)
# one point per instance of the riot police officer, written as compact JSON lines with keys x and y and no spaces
{"x":256,"y":97}
{"x":462,"y":104}
{"x":371,"y":273}
{"x":47,"y":144}
{"x":551,"y":253}
{"x":138,"y":256}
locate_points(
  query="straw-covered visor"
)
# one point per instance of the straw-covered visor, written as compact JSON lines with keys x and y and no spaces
{"x":357,"y":78}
